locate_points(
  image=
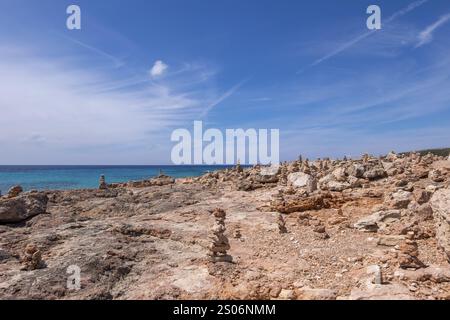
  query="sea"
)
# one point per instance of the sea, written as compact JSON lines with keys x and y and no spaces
{"x":87,"y":177}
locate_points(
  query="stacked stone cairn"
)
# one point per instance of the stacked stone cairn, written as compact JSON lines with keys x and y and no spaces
{"x":102,"y":183}
{"x":281,"y":224}
{"x":220,"y":244}
{"x":32,"y":258}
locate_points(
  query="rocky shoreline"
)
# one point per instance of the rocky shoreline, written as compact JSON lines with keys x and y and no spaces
{"x":371,"y":228}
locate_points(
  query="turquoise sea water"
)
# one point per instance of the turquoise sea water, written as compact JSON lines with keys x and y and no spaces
{"x":86,"y":177}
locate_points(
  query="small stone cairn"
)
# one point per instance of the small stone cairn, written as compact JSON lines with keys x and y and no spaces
{"x":32,"y":258}
{"x":281,"y":224}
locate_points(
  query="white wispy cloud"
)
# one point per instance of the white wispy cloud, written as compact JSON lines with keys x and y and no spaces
{"x":61,"y":113}
{"x":426,"y":35}
{"x":158,"y":69}
{"x":348,"y":44}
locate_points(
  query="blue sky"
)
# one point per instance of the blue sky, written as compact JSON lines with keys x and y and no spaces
{"x":309,"y":68}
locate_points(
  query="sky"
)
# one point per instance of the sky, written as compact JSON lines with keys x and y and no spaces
{"x":114,"y":91}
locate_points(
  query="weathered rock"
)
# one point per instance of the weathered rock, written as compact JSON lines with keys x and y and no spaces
{"x":286,"y":295}
{"x":356,"y":170}
{"x":302,"y":180}
{"x":382,"y":292}
{"x":436,"y":176}
{"x":162,"y":180}
{"x":307,"y":293}
{"x":337,"y":186}
{"x":375,"y":174}
{"x":422,"y":196}
{"x":440,"y":202}
{"x":399,"y":199}
{"x":143,"y":241}
{"x":340,"y":174}
{"x":22,"y":207}
{"x":315,"y":202}
{"x":355,"y":182}
{"x":375,"y":275}
{"x":376,"y":220}
{"x":390,"y":240}
{"x":434,"y":273}
{"x":14,"y":192}
{"x":248,"y":185}
{"x":424,"y":212}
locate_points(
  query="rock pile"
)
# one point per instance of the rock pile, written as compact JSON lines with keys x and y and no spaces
{"x":32,"y":258}
{"x":281,"y":224}
{"x":408,"y":256}
{"x":220,"y":244}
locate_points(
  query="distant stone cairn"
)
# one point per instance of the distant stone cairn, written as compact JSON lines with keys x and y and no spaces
{"x":102,"y":183}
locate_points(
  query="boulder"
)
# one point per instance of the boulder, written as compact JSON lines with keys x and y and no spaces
{"x":22,"y":207}
{"x":339,"y":174}
{"x":302,"y":180}
{"x":375,"y":174}
{"x":434,"y":273}
{"x":440,"y":203}
{"x":399,"y":199}
{"x":377,"y":220}
{"x":424,"y":212}
{"x":356,"y":170}
{"x":355,"y":182}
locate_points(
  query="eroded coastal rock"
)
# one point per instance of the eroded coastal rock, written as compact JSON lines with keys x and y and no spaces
{"x":368,"y":228}
{"x":21,"y":207}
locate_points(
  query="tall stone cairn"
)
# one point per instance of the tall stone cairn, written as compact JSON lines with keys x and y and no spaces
{"x":220,"y":244}
{"x":409,"y":252}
